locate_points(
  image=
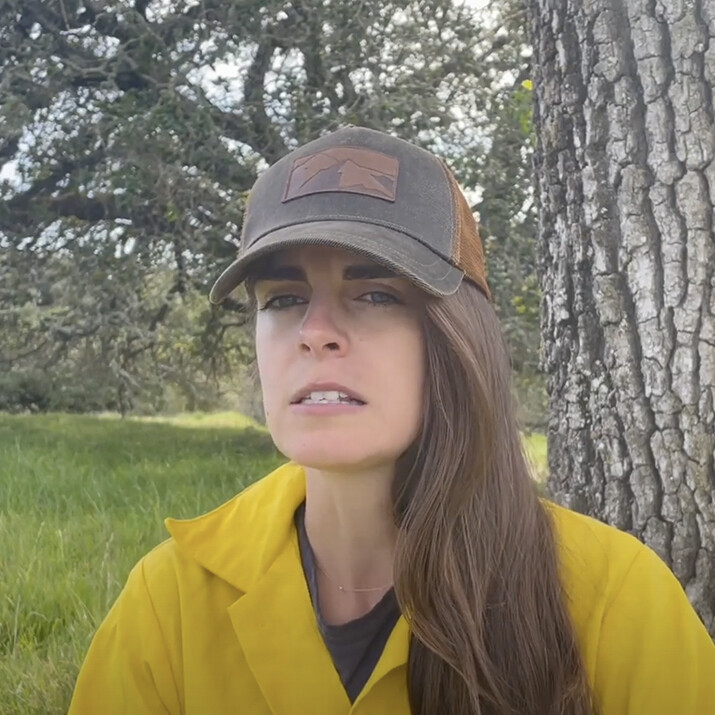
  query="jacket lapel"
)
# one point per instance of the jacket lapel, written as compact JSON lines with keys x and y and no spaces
{"x":393,"y":656}
{"x":277,"y":629}
{"x":251,"y":543}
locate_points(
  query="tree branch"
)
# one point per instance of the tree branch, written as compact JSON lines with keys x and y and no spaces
{"x":266,"y":138}
{"x":313,"y":47}
{"x":9,"y":147}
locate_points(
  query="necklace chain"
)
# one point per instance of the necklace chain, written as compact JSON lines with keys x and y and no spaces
{"x":351,"y":590}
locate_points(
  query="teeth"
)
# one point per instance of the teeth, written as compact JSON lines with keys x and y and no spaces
{"x":328,"y":397}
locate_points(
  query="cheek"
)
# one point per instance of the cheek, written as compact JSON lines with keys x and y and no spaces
{"x":267,"y":362}
{"x":405,"y":379}
{"x":418,"y":376}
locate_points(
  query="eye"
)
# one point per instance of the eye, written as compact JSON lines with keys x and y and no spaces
{"x":379,"y":297}
{"x":280,"y":302}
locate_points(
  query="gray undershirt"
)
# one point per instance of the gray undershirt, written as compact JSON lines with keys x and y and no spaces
{"x":355,"y":646}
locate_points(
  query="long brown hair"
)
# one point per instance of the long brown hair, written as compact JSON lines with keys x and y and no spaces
{"x":476,"y":570}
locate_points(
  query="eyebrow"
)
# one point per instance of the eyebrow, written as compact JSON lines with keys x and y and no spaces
{"x":354,"y":272}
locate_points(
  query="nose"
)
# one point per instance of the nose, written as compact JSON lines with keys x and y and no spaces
{"x":320,"y":332}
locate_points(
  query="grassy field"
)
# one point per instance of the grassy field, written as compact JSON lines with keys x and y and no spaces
{"x":81,"y":500}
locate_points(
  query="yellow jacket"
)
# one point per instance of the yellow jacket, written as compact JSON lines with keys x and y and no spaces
{"x":217,"y":620}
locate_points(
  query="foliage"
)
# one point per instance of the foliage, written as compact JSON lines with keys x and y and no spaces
{"x":130,"y":132}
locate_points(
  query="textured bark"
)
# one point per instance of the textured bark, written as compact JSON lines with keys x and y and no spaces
{"x":626,"y":184}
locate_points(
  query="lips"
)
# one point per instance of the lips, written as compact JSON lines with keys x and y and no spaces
{"x":305,"y":391}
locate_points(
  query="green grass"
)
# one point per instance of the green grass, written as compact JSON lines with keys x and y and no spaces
{"x":81,"y":500}
{"x":535,"y":447}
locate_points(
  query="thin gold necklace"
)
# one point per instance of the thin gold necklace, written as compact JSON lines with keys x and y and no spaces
{"x":351,"y":590}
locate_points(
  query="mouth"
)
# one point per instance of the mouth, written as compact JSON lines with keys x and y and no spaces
{"x":326,"y":395}
{"x":331,"y":397}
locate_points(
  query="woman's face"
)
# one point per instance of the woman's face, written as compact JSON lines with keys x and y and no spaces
{"x":341,"y":358}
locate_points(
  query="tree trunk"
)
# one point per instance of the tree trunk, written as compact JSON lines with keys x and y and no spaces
{"x":626,"y":185}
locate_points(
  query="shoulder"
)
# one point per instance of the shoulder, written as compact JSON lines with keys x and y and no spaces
{"x":591,"y":551}
{"x":597,"y":562}
{"x":581,"y":540}
{"x":159,"y":567}
{"x":235,"y":542}
{"x":644,"y":647}
{"x":602,"y":561}
{"x":628,"y":609}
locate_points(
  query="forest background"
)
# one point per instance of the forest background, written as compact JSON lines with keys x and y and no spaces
{"x":132,"y":132}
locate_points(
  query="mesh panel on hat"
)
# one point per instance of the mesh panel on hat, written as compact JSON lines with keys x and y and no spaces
{"x":468,"y":253}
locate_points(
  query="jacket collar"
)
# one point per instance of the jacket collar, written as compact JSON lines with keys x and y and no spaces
{"x":274,"y":618}
{"x":261,"y":515}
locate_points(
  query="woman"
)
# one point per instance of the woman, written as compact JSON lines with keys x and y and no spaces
{"x":401,"y":562}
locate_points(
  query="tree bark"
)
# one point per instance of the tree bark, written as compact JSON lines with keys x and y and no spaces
{"x":626,"y":185}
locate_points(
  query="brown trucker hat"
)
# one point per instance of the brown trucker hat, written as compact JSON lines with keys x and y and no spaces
{"x":372,"y":193}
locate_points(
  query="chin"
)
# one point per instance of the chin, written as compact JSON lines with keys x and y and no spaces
{"x":334,"y":457}
{"x":332,"y":462}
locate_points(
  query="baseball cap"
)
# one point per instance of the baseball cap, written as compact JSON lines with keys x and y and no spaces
{"x":369,"y":192}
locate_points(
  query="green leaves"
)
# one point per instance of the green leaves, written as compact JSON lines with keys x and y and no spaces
{"x":139,"y":127}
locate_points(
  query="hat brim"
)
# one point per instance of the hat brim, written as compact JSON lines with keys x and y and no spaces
{"x":393,"y":249}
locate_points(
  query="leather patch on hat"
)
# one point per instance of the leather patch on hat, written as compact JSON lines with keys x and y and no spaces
{"x":344,"y":169}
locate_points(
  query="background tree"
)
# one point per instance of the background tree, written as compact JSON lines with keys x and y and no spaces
{"x":626,"y":184}
{"x":507,"y":213}
{"x":131,"y":130}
